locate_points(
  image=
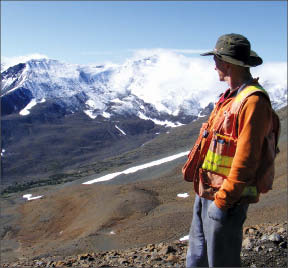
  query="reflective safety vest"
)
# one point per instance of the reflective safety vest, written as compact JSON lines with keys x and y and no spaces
{"x":223,"y":146}
{"x":213,"y":159}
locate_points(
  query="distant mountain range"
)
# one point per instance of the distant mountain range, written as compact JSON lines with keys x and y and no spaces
{"x":98,"y":91}
{"x":57,"y":116}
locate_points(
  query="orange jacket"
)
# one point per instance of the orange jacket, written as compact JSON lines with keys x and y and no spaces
{"x":253,"y":125}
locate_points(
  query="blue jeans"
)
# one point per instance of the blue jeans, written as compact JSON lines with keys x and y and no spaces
{"x":212,"y":243}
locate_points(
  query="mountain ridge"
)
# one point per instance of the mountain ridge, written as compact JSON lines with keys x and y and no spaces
{"x":91,"y":89}
{"x":109,"y":90}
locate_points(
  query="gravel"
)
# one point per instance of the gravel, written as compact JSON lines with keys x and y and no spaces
{"x":263,"y":246}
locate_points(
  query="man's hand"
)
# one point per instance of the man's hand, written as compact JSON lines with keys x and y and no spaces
{"x":216,"y":213}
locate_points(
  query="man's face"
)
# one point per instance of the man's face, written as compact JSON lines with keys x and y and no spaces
{"x":221,"y":67}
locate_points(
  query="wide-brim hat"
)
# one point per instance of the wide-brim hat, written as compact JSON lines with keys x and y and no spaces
{"x":235,"y":49}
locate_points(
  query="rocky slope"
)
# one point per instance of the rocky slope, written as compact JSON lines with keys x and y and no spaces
{"x":263,"y":246}
{"x":128,"y":212}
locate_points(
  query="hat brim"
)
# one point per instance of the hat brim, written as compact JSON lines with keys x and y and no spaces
{"x":210,"y":53}
{"x":254,"y":59}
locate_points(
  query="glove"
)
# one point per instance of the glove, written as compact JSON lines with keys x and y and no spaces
{"x":216,"y":213}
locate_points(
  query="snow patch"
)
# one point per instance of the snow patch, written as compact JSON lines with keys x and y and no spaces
{"x":159,"y":122}
{"x":106,"y":115}
{"x":184,"y":195}
{"x":90,"y":113}
{"x":137,"y":168}
{"x":91,"y":103}
{"x":96,"y":107}
{"x":200,"y":114}
{"x":26,"y":111}
{"x":184,"y":238}
{"x":2,"y":152}
{"x":10,"y":80}
{"x":104,"y":178}
{"x":120,"y":130}
{"x":29,"y":197}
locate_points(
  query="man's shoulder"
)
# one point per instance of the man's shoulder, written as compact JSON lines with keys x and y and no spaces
{"x":257,"y":104}
{"x":257,"y":98}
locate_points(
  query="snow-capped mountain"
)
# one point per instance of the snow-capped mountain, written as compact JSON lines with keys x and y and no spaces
{"x":58,"y":116}
{"x":99,"y":91}
{"x":149,"y":88}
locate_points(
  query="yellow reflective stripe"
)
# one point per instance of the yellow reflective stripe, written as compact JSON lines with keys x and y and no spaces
{"x":217,"y":163}
{"x":217,"y":159}
{"x":215,"y":168}
{"x":250,"y":191}
{"x":247,"y":91}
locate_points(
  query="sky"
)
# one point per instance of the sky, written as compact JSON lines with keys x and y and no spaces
{"x":85,"y":32}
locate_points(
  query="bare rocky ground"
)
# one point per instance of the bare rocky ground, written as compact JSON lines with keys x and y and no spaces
{"x":263,"y":246}
{"x":139,"y":226}
{"x":136,"y":224}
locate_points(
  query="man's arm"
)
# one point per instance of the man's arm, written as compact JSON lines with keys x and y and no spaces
{"x":253,"y":124}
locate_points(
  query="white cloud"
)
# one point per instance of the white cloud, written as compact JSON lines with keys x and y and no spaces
{"x":168,"y":79}
{"x":274,"y":72}
{"x":11,"y":61}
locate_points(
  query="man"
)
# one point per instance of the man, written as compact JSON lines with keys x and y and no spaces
{"x":230,"y":151}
